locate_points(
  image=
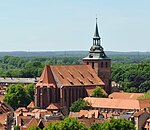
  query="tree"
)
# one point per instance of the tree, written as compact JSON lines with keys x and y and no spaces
{"x":72,"y":124}
{"x":146,"y":95}
{"x":78,"y":105}
{"x":17,"y":96}
{"x":67,"y":124}
{"x":30,"y":91}
{"x":113,"y":124}
{"x":98,"y":92}
{"x":52,"y":126}
{"x":34,"y":128}
{"x":144,"y":86}
{"x":96,"y":126}
{"x":17,"y":127}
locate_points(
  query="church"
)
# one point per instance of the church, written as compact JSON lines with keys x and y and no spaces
{"x":64,"y":84}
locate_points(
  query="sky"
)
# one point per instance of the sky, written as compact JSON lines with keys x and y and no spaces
{"x":67,"y":25}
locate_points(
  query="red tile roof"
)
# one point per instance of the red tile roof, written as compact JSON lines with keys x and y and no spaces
{"x":117,"y":103}
{"x":31,"y":105}
{"x":138,"y":113}
{"x":3,"y":118}
{"x":124,"y":95}
{"x":47,"y":78}
{"x":69,"y":75}
{"x":53,"y":106}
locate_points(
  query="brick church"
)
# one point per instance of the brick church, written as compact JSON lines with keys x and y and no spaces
{"x":64,"y":84}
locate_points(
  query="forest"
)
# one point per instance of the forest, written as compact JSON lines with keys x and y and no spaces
{"x":130,"y":71}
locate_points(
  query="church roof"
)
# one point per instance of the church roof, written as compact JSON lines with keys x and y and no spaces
{"x":69,"y":75}
{"x":47,"y":78}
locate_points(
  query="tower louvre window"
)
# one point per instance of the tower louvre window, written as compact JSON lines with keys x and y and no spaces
{"x":101,"y":64}
{"x":93,"y":65}
{"x":106,"y":64}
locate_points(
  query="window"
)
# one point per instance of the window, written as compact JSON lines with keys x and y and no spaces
{"x":106,"y":64}
{"x":101,"y":64}
{"x":93,"y":65}
{"x":87,"y":63}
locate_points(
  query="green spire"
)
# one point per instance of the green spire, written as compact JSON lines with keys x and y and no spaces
{"x":96,"y":34}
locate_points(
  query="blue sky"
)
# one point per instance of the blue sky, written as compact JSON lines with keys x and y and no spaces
{"x":48,"y":25}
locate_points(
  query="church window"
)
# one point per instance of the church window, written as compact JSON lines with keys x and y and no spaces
{"x":101,"y":64}
{"x":93,"y":65}
{"x":106,"y":64}
{"x":65,"y":94}
{"x":50,"y":94}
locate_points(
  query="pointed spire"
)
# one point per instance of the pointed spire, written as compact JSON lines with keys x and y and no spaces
{"x":96,"y":34}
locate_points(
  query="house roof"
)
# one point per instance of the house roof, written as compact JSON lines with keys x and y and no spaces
{"x":3,"y":118}
{"x":4,"y":108}
{"x":53,"y":106}
{"x":18,"y":80}
{"x":89,"y":114}
{"x":117,"y":103}
{"x":138,"y":113}
{"x":23,"y":109}
{"x":31,"y":105}
{"x":69,"y":75}
{"x":147,"y":123}
{"x":124,"y":95}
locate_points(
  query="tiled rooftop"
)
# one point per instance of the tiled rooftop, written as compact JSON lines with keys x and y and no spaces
{"x":69,"y":75}
{"x":117,"y":103}
{"x":124,"y":95}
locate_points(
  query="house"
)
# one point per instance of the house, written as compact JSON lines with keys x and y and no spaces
{"x":107,"y":104}
{"x":8,"y":81}
{"x":6,"y":115}
{"x":140,"y":118}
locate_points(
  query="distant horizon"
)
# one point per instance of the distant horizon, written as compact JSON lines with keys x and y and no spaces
{"x":69,"y":51}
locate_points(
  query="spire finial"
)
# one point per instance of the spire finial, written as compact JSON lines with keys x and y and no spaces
{"x":96,"y":18}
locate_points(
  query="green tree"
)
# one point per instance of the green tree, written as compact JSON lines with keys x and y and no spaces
{"x":96,"y":126}
{"x":17,"y":127}
{"x":53,"y":126}
{"x":34,"y":128}
{"x":98,"y":92}
{"x":144,"y":86}
{"x":146,"y":95}
{"x":72,"y":124}
{"x":113,"y":124}
{"x":78,"y":105}
{"x":16,"y":96}
{"x":30,"y":91}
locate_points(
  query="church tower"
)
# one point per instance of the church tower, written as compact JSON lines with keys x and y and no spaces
{"x":99,"y":61}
